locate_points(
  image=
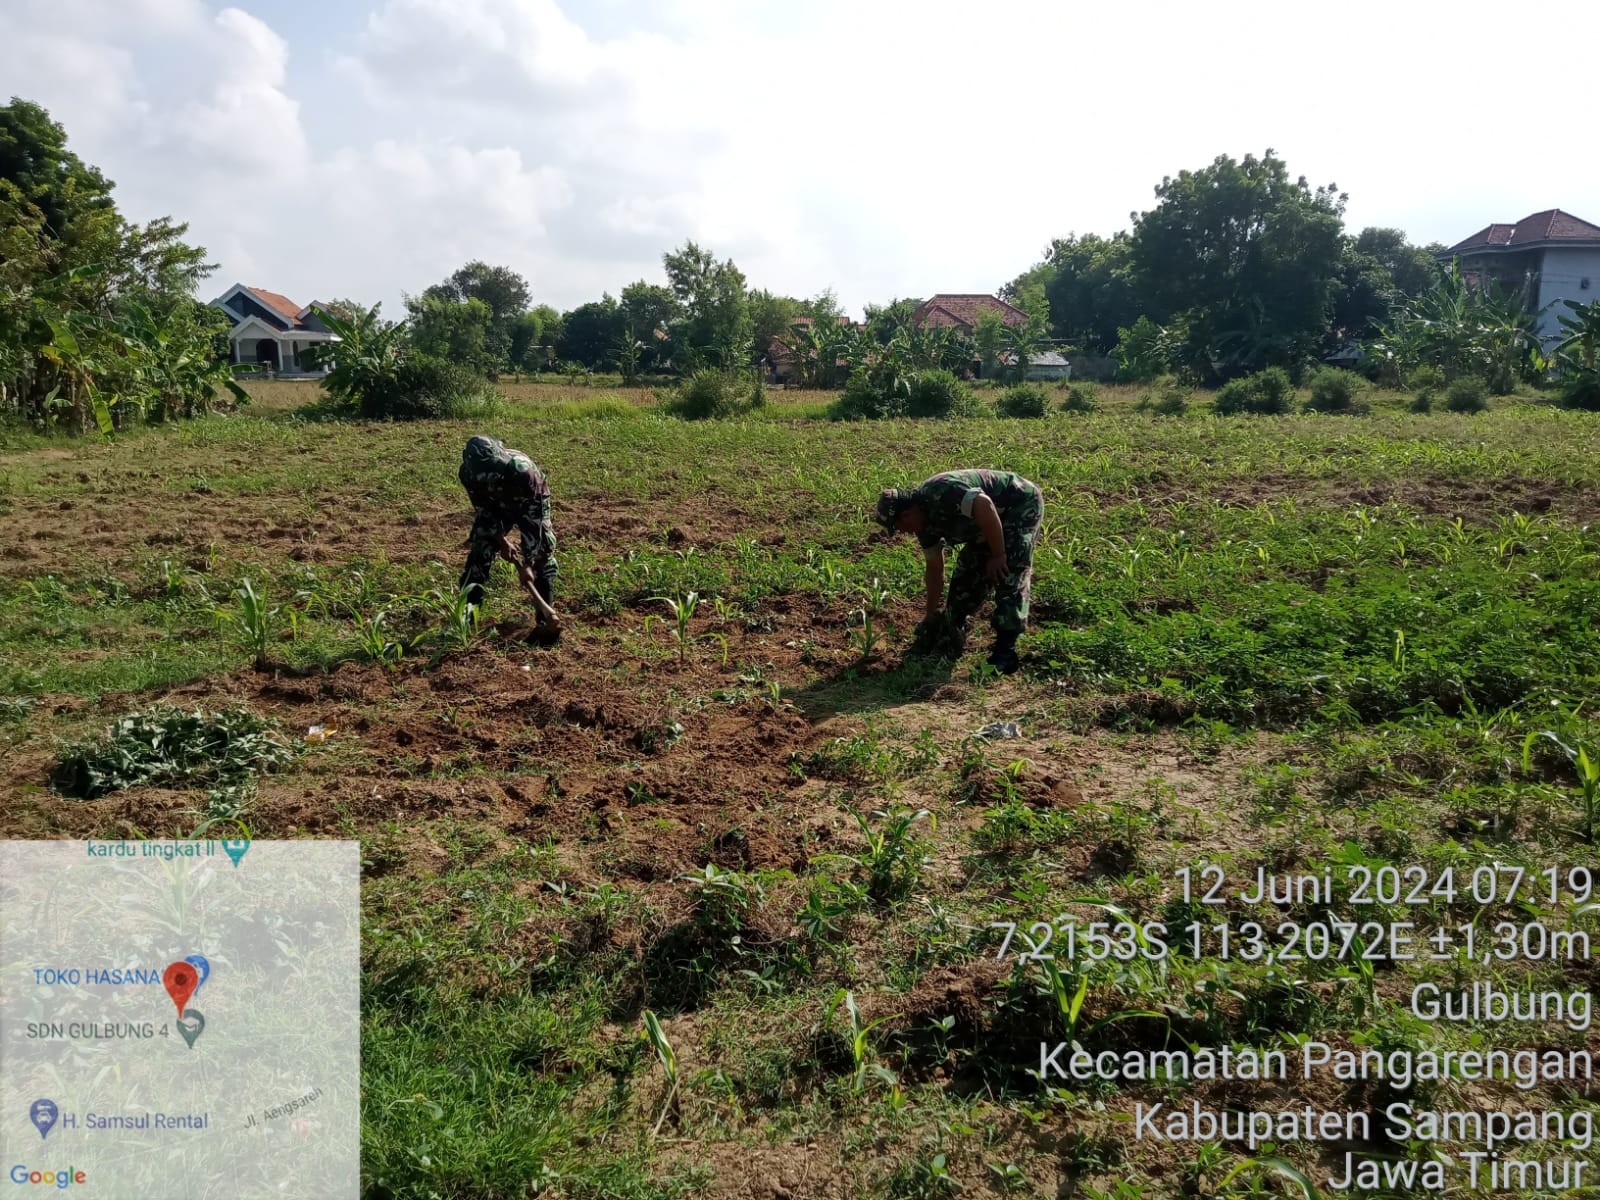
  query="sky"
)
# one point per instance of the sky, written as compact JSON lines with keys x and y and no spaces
{"x":883,"y":148}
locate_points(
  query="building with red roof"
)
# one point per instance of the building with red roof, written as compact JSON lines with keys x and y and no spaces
{"x":272,"y":331}
{"x":1553,"y":254}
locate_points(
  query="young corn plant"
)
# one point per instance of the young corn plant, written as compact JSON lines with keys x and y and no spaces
{"x":681,"y":613}
{"x":377,"y":643}
{"x":253,"y":623}
{"x":892,"y":857}
{"x":668,"y":1057}
{"x":865,"y":639}
{"x":857,"y":1039}
{"x":459,"y":618}
{"x":1585,"y":760}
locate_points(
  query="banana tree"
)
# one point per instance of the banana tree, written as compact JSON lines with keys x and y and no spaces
{"x":367,"y":351}
{"x":1579,"y":355}
{"x":1022,"y":343}
{"x":817,"y":347}
{"x":174,"y":366}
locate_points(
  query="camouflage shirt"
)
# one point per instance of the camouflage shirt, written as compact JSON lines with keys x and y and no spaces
{"x":497,"y":476}
{"x":947,"y":500}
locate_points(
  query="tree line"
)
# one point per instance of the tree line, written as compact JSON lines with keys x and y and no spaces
{"x":1234,"y":269}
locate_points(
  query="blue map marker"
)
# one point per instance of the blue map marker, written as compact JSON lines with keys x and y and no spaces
{"x":43,"y":1114}
{"x":199,"y":963}
{"x":235,"y":848}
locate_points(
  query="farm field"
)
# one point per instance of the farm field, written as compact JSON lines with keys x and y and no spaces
{"x":614,"y":888}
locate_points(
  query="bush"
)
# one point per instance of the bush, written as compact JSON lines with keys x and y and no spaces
{"x":420,"y":387}
{"x":1027,"y":400}
{"x":1142,"y":351}
{"x":1425,"y":379}
{"x":1166,"y":398}
{"x":1264,"y":393}
{"x":1422,"y":402}
{"x":1469,"y":394}
{"x":1580,"y":388}
{"x":710,"y":394}
{"x":1081,"y":398}
{"x":862,"y":400}
{"x":168,"y":747}
{"x":940,"y":394}
{"x":1335,"y":391}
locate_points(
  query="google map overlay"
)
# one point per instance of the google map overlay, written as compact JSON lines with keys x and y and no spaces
{"x":180,"y":1018}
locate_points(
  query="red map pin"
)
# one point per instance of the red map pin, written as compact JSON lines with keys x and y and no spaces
{"x":180,"y":980}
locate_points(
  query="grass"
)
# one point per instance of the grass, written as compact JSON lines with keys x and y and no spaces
{"x":615,"y":944}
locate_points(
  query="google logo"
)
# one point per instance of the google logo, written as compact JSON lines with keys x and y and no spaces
{"x":60,"y":1179}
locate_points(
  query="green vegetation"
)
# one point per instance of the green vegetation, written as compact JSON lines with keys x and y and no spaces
{"x":98,"y":329}
{"x":712,"y":393}
{"x":720,"y":872}
{"x":168,"y":747}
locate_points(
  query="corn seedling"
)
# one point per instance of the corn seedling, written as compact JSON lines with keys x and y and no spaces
{"x":459,"y":618}
{"x":864,"y":639}
{"x":680,"y":614}
{"x":668,"y":1057}
{"x":1585,"y":760}
{"x":857,"y":1039}
{"x":252,"y":622}
{"x":376,"y":642}
{"x":1273,"y":1166}
{"x":892,"y":856}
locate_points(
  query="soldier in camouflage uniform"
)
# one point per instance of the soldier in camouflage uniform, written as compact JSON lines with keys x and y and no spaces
{"x":994,"y":517}
{"x":507,"y":489}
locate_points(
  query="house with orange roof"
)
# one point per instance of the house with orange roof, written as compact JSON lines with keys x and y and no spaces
{"x":1554,"y":254}
{"x":272,"y":332}
{"x":959,"y":310}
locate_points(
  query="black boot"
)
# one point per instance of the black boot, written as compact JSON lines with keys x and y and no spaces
{"x":1003,"y":657}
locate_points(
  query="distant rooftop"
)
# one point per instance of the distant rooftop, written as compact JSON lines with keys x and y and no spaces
{"x":1541,"y":229}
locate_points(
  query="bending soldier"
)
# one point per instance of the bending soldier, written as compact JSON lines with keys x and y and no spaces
{"x":993,"y":516}
{"x":508,"y":490}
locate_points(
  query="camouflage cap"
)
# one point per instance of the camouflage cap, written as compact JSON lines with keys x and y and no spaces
{"x":891,"y":503}
{"x":480,"y":449}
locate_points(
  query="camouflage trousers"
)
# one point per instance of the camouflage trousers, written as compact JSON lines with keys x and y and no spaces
{"x":538,"y":547}
{"x":1020,"y":526}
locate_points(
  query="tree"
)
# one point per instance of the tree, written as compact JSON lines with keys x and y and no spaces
{"x":96,"y":316}
{"x":502,"y":289}
{"x":824,"y":306}
{"x":590,"y":332}
{"x":1092,"y":291}
{"x":989,"y":339}
{"x":716,"y":322}
{"x":527,"y":336}
{"x":458,"y":331}
{"x":647,"y":308}
{"x":1414,"y":269}
{"x":34,"y":157}
{"x":885,"y":320}
{"x":771,"y":316}
{"x":1245,"y":261}
{"x":1464,"y":330}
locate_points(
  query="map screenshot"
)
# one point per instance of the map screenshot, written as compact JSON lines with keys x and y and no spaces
{"x":180,"y":1018}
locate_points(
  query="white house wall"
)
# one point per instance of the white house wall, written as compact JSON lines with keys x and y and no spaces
{"x":1562,"y":277}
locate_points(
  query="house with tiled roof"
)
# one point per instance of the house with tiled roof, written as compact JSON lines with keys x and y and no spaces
{"x":271,"y":331}
{"x":1554,"y":254}
{"x":959,"y":310}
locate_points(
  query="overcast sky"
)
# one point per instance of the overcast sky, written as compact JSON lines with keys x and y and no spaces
{"x":366,"y":148}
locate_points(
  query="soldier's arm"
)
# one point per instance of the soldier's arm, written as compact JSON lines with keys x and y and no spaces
{"x":988,"y":518}
{"x":933,"y":579}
